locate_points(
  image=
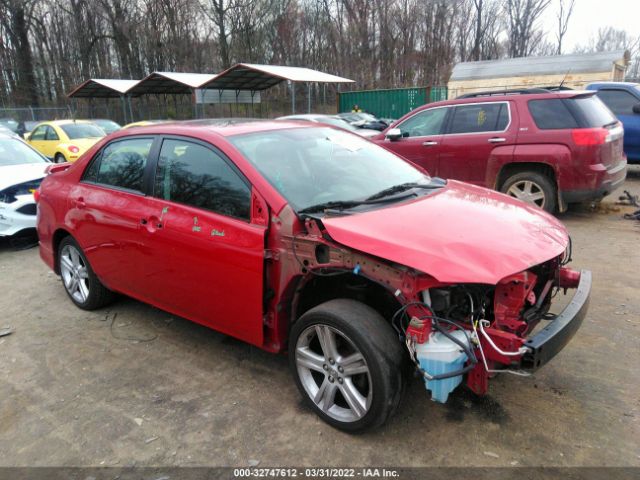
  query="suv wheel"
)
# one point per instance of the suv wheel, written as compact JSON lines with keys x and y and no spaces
{"x":531,"y":187}
{"x":347,"y":363}
{"x":81,"y":284}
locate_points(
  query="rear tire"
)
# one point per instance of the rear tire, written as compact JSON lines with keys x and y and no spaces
{"x":348,"y":364}
{"x":79,"y":281}
{"x":59,"y":158}
{"x":532,"y":187}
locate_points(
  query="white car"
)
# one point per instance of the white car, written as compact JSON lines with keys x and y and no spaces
{"x":21,"y":170}
{"x":332,"y":120}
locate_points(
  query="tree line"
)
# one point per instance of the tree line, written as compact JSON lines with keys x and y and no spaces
{"x":49,"y":46}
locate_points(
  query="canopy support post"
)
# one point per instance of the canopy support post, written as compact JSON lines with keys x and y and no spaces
{"x":130,"y":108}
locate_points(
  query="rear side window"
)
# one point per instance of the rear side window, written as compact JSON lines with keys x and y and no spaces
{"x":121,"y":164}
{"x":195,"y":175}
{"x":552,"y":113}
{"x":51,"y":134}
{"x":576,"y":112}
{"x":486,"y":117}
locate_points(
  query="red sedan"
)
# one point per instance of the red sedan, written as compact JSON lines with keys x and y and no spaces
{"x":298,"y":237}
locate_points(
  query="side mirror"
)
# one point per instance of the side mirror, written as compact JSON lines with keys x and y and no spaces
{"x":394,"y":134}
{"x":636,"y":108}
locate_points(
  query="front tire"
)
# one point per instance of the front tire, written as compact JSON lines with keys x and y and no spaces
{"x":347,"y":362}
{"x":59,"y":158}
{"x":532,"y":187}
{"x":80,"y":282}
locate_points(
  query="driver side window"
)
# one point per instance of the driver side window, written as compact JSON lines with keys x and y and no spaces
{"x":39,"y":133}
{"x":425,"y":123}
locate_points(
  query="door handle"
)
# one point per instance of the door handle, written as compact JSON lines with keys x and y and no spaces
{"x":497,"y":140}
{"x":429,"y":143}
{"x":80,"y":203}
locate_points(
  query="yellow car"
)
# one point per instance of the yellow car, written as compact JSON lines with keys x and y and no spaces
{"x":143,"y":123}
{"x":64,"y":140}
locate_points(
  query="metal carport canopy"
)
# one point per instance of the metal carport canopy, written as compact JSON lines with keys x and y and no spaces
{"x":255,"y":77}
{"x":170,"y":83}
{"x":250,"y":76}
{"x":102,"y":88}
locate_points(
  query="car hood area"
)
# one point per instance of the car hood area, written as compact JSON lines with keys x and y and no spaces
{"x":16,"y":174}
{"x":459,"y":234}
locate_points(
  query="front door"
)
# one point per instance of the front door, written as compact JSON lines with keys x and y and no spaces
{"x":421,"y":138}
{"x":206,"y":258}
{"x":42,"y":140}
{"x":474,"y":134}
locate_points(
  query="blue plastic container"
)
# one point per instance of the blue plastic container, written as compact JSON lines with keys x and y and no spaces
{"x":441,"y":355}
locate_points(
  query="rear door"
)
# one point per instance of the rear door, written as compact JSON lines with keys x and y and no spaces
{"x":621,"y":103}
{"x":475,"y":132}
{"x":107,"y":206}
{"x":204,"y":258}
{"x":421,"y":138}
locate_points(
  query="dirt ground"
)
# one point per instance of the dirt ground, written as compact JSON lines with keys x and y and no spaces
{"x":132,"y":385}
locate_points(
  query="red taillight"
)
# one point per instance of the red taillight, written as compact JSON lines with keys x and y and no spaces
{"x":73,"y":149}
{"x":36,"y":195}
{"x":585,"y":137}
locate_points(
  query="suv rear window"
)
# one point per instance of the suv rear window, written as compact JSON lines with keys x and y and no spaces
{"x":576,"y":112}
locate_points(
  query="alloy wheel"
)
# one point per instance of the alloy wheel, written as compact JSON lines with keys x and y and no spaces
{"x":334,"y":373}
{"x":75,"y":274}
{"x":528,"y":191}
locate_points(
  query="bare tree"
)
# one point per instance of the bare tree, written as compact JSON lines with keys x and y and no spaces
{"x":564,"y":15}
{"x":522,"y":16}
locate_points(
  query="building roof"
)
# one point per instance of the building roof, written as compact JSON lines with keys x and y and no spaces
{"x":102,"y":88}
{"x":549,"y":65}
{"x":250,"y":76}
{"x":170,"y":83}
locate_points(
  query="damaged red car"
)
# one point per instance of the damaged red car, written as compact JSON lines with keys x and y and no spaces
{"x":310,"y":240}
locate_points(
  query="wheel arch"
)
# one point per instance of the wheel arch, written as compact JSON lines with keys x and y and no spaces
{"x":320,"y":289}
{"x":59,"y":235}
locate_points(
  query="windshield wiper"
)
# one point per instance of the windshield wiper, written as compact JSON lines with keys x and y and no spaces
{"x":401,"y":188}
{"x":347,"y":204}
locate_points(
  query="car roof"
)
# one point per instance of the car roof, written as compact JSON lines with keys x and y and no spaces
{"x":502,"y":97}
{"x":614,"y":84}
{"x":224,"y":127}
{"x":59,"y":123}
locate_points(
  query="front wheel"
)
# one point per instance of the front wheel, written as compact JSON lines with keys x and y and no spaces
{"x":59,"y":158}
{"x":347,"y":363}
{"x":532,"y":187}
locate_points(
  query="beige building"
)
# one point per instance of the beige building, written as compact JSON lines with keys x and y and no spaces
{"x":573,"y":71}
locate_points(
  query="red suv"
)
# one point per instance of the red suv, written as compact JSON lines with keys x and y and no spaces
{"x":543,"y":147}
{"x":305,"y":238}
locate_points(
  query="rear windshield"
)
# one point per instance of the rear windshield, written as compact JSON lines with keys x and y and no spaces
{"x":82,"y":130}
{"x":577,"y":112}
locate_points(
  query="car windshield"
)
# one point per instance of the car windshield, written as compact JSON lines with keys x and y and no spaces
{"x":82,"y":130}
{"x":9,"y":124}
{"x":16,"y":152}
{"x":319,"y":165}
{"x":109,"y":126}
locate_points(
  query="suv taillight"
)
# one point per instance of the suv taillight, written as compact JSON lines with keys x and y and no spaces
{"x":589,"y":136}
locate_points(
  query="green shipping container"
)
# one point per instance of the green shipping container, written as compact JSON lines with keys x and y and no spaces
{"x":390,"y":103}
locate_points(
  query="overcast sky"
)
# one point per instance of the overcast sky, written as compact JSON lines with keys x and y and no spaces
{"x":588,"y":16}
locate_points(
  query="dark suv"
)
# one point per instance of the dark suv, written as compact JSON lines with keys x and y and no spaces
{"x":544,"y":147}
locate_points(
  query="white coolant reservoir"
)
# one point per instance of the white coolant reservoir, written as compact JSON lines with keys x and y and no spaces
{"x":441,"y":355}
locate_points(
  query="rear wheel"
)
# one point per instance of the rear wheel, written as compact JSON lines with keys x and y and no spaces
{"x":347,"y":363}
{"x":80,"y":283}
{"x":532,"y":187}
{"x":59,"y":158}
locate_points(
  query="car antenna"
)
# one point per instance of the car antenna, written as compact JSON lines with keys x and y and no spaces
{"x":565,"y":77}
